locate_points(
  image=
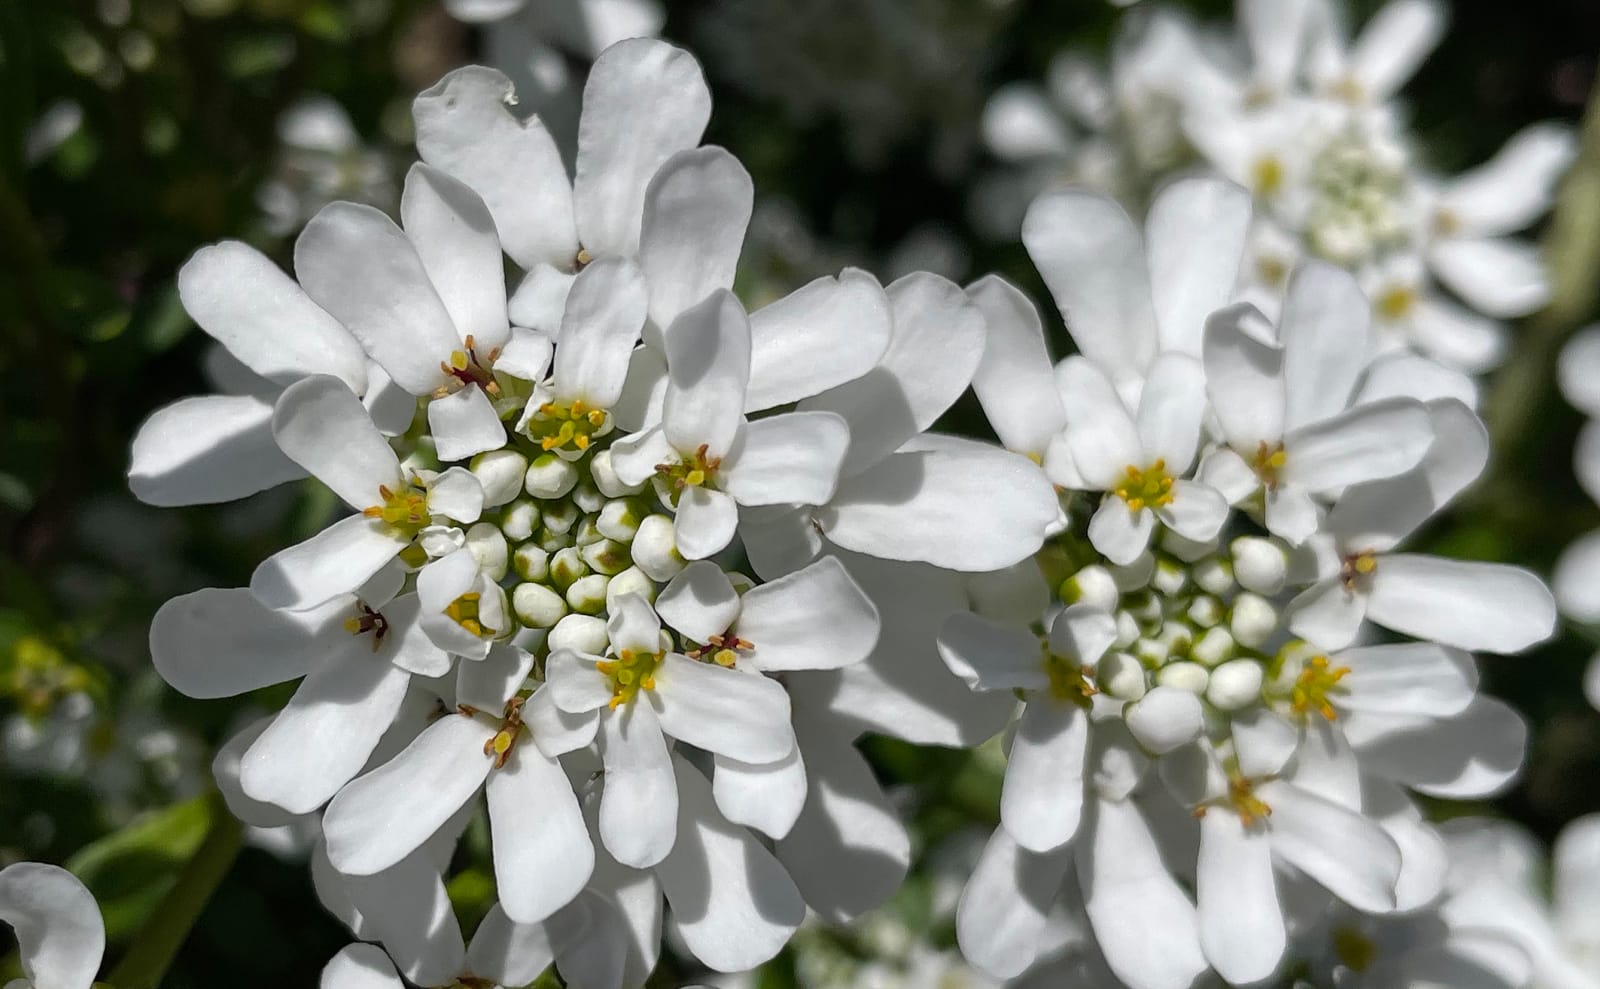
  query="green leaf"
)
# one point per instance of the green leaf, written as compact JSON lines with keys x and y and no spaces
{"x":130,"y":870}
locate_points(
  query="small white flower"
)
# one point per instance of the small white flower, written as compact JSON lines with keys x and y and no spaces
{"x":60,"y":935}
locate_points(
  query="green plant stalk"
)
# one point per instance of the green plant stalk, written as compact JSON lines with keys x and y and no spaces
{"x":157,"y":943}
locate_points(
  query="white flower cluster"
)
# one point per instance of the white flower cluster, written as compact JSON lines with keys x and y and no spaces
{"x":1216,"y":744}
{"x":1577,"y":575}
{"x":1307,"y":120}
{"x":532,"y":599}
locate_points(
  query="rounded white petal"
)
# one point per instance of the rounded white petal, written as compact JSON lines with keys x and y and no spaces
{"x":706,"y":522}
{"x":542,"y":852}
{"x":1041,"y":800}
{"x":465,"y":424}
{"x":991,"y":655}
{"x":604,"y":313}
{"x":1516,"y":186}
{"x":208,"y":449}
{"x":454,"y":235}
{"x":817,"y":618}
{"x":721,"y":710}
{"x":1172,"y":411}
{"x":827,"y":332}
{"x":1001,"y":919}
{"x":1244,"y":378}
{"x":1102,"y":435}
{"x":708,"y":365}
{"x":1498,"y":277}
{"x":1346,"y":853}
{"x":1195,"y":235}
{"x":1484,"y":606}
{"x":1393,"y":44}
{"x":1418,"y":678}
{"x":360,"y":966}
{"x":1015,"y":381}
{"x":696,"y":210}
{"x":699,"y":602}
{"x":1366,"y":443}
{"x":321,"y":425}
{"x":1241,"y":922}
{"x":1120,"y":534}
{"x":60,"y":935}
{"x":639,"y":805}
{"x":223,"y":642}
{"x":1326,"y":329}
{"x":765,"y":796}
{"x":1577,"y":578}
{"x":791,"y":458}
{"x":335,"y":561}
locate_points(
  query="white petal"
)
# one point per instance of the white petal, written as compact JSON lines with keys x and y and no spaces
{"x":1487,"y":606}
{"x":457,"y":495}
{"x":321,"y":425}
{"x":327,"y":731}
{"x":1015,"y":381}
{"x":789,"y":458}
{"x":335,"y":561}
{"x":1172,"y":410}
{"x":1366,"y":443}
{"x":1516,"y":186}
{"x":575,"y":685}
{"x":540,"y":301}
{"x":817,"y":337}
{"x":639,"y":806}
{"x":557,"y":732}
{"x":265,"y":320}
{"x":222,"y":643}
{"x":1498,"y":277}
{"x":989,"y":655}
{"x":1092,"y":258}
{"x":700,"y":602}
{"x":935,"y":350}
{"x":767,"y":797}
{"x":644,"y":102}
{"x":605,"y":311}
{"x":1474,"y":754}
{"x":360,"y":267}
{"x":454,"y":235}
{"x":1326,"y":330}
{"x":1418,"y":678}
{"x":708,"y":364}
{"x":1241,"y":923}
{"x":1225,"y":472}
{"x":1577,"y":578}
{"x":1393,"y":44}
{"x":847,"y":851}
{"x":1456,"y":337}
{"x":1346,"y":853}
{"x":208,"y":449}
{"x":633,"y":625}
{"x":406,"y":909}
{"x":1328,"y":615}
{"x":1274,"y":29}
{"x":542,"y":853}
{"x":1121,"y":535}
{"x":360,"y":966}
{"x":732,"y":901}
{"x":510,"y":953}
{"x":380,"y":818}
{"x":1244,"y":378}
{"x":696,"y":210}
{"x":1102,"y":435}
{"x":1264,"y":742}
{"x":465,"y":424}
{"x":817,"y":618}
{"x":1019,"y":123}
{"x":465,"y":127}
{"x":706,"y":522}
{"x":1000,"y":922}
{"x":636,"y":457}
{"x":1122,"y":876}
{"x":723,"y":711}
{"x":527,"y":354}
{"x":1196,"y":512}
{"x":1042,"y":799}
{"x":60,"y":935}
{"x":492,"y":681}
{"x":1196,"y":236}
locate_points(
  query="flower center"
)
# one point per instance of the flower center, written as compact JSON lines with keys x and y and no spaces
{"x":628,"y":672}
{"x":1317,"y":684}
{"x":1266,"y":176}
{"x":405,"y":510}
{"x":722,"y":649}
{"x":1268,"y":463}
{"x":574,"y":426}
{"x":694,"y":471}
{"x":464,"y":612}
{"x":505,"y":740}
{"x":1242,"y":798}
{"x":1068,"y":680}
{"x":1151,"y":487}
{"x":366,"y":620}
{"x":466,"y":367}
{"x":1357,"y":193}
{"x":1356,"y":567}
{"x":1396,"y":302}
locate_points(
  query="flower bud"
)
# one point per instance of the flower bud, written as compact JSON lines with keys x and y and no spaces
{"x":1185,"y":549}
{"x":587,"y":532}
{"x":552,"y":540}
{"x":1205,"y":611}
{"x":1127,"y":630}
{"x":1215,"y":646}
{"x":501,"y":474}
{"x":1165,"y":718}
{"x":1152,"y":652}
{"x":655,"y":550}
{"x":561,"y":516}
{"x":1259,"y":565}
{"x":549,"y":476}
{"x":580,"y":633}
{"x":1135,"y":575}
{"x":519,"y":520}
{"x":1253,"y":620}
{"x":630,"y":581}
{"x":566,"y":566}
{"x":588,"y":497}
{"x":1214,"y":575}
{"x":1145,"y":607}
{"x":439,"y":541}
{"x":620,"y":519}
{"x":606,"y":557}
{"x":1184,"y":676}
{"x":1093,"y":585}
{"x":1235,"y":684}
{"x":606,"y":480}
{"x":1169,"y":576}
{"x":531,"y":562}
{"x":587,"y":595}
{"x":1177,"y":637}
{"x":490,"y":549}
{"x":537,"y":606}
{"x":1121,"y":676}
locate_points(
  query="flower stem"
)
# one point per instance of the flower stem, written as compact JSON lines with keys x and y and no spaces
{"x":157,"y":943}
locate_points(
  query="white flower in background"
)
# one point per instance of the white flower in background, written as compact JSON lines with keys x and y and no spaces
{"x":321,"y":159}
{"x":60,"y":935}
{"x":1577,"y":575}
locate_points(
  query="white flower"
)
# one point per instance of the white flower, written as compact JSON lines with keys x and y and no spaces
{"x":1576,"y":580}
{"x":60,"y":935}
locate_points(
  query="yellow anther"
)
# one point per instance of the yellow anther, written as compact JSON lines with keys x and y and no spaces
{"x":1148,"y":488}
{"x":405,"y":510}
{"x":722,"y":649}
{"x":1268,"y":463}
{"x":1357,"y":566}
{"x":1317,"y":684}
{"x":464,"y":612}
{"x":1396,"y":302}
{"x":1272,"y":270}
{"x":694,"y":471}
{"x":468,"y":367}
{"x":725,"y":657}
{"x":1242,"y":800}
{"x":582,"y":259}
{"x":1266,"y":176}
{"x":502,"y":742}
{"x":630,"y":672}
{"x":576,"y":425}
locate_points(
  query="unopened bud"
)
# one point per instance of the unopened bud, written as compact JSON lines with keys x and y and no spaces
{"x":530,"y":562}
{"x":1259,"y":564}
{"x":587,"y":595}
{"x":587,"y":532}
{"x":1205,"y":611}
{"x":1093,"y":585}
{"x":1235,"y":684}
{"x":1185,"y":676}
{"x":1169,"y":576}
{"x":1135,"y":575}
{"x":552,"y":540}
{"x":606,"y":480}
{"x":1121,"y":676}
{"x":1253,"y":620}
{"x":1214,"y":647}
{"x":490,"y":549}
{"x":1185,"y":549}
{"x":520,"y":520}
{"x":630,"y":581}
{"x":567,"y":566}
{"x":501,"y":474}
{"x":1177,"y":637}
{"x":580,"y":633}
{"x":537,"y":606}
{"x":655,"y":550}
{"x":606,"y":557}
{"x":588,"y":497}
{"x":1127,"y":630}
{"x":1165,"y":718}
{"x":549,"y":476}
{"x":561,"y":516}
{"x":620,"y":519}
{"x":1214,"y":575}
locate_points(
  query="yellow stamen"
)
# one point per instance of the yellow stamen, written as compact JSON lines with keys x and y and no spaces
{"x":1266,"y":176}
{"x":1396,"y":302}
{"x":1357,"y":566}
{"x":405,"y":510}
{"x":1151,"y":487}
{"x":630,"y":672}
{"x":576,"y":425}
{"x":1268,"y":463}
{"x":1317,"y":684}
{"x":695,"y":471}
{"x":464,"y":612}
